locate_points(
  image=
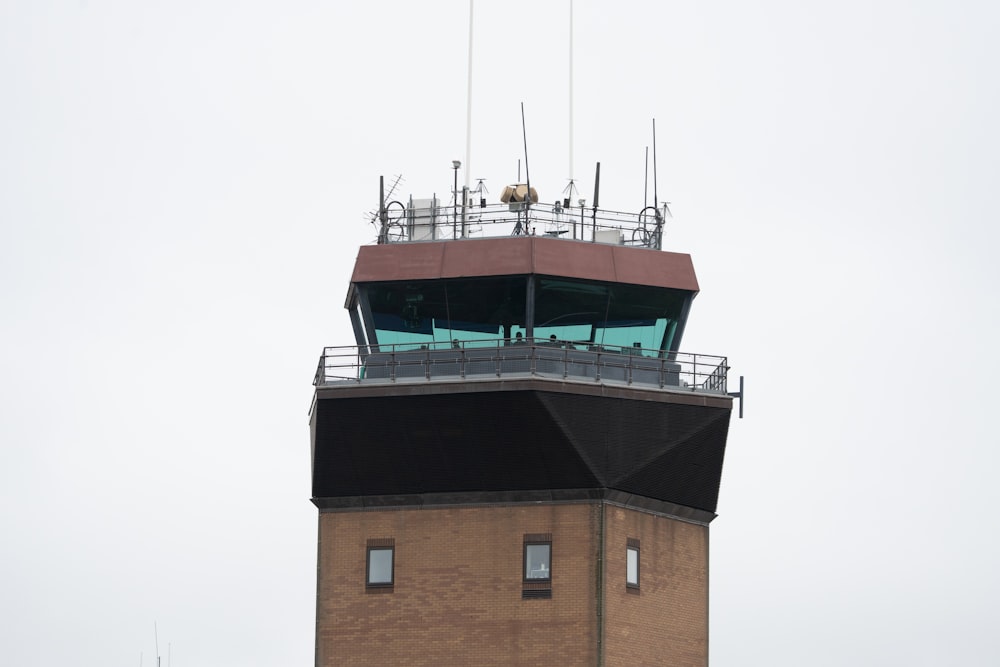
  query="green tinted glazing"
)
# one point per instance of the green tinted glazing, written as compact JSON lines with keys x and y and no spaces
{"x":469,"y":312}
{"x":631,"y":319}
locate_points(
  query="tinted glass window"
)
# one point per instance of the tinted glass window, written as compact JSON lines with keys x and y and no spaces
{"x":380,"y":565}
{"x":438,"y":312}
{"x":537,"y":561}
{"x":611,"y":317}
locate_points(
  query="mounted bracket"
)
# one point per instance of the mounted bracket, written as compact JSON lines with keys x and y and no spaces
{"x":738,"y":395}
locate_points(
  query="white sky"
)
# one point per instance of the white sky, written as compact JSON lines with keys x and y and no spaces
{"x":182,"y":189}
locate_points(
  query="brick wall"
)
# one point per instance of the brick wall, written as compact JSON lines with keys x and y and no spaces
{"x":457,"y":592}
{"x":457,"y":595}
{"x":665,"y":621}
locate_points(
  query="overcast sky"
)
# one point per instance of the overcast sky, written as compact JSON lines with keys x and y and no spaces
{"x":183,"y":188}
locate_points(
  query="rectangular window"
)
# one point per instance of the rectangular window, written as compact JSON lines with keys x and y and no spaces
{"x":538,"y":562}
{"x":632,"y":563}
{"x":537,"y":566}
{"x":380,"y":563}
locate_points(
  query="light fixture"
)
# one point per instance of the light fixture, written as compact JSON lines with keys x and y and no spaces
{"x":456,"y":164}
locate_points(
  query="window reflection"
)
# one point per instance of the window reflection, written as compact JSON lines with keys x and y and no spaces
{"x":537,"y":561}
{"x":380,"y":566}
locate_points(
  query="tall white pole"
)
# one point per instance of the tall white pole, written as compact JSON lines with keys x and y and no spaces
{"x":468,"y":109}
{"x":571,"y":91}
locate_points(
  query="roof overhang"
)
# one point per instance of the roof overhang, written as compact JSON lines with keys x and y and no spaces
{"x":521,"y":256}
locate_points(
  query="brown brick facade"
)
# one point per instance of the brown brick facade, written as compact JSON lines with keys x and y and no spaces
{"x":666,"y":621}
{"x":457,"y":598}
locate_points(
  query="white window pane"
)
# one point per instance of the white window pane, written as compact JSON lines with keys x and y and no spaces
{"x":380,"y":566}
{"x":632,"y":568}
{"x":537,"y":561}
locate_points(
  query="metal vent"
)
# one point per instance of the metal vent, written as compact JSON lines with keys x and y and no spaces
{"x":540,"y":593}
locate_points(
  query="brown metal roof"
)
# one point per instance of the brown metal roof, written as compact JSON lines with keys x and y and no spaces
{"x":524,"y":255}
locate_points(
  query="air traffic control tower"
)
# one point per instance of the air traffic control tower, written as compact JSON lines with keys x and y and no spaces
{"x":515,"y":465}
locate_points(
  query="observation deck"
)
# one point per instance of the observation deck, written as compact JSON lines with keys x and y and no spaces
{"x":552,"y":359}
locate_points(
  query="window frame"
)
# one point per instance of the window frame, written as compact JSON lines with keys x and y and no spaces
{"x":536,"y":587}
{"x":381,"y":544}
{"x":632,"y":545}
{"x":526,"y":570}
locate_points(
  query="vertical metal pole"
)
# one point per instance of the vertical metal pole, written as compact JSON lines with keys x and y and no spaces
{"x":468,"y":107}
{"x":465,"y":200}
{"x":454,"y":207}
{"x":527,"y":174}
{"x":383,"y":233}
{"x":597,"y":191}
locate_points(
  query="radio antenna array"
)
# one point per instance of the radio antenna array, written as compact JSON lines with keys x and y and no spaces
{"x":374,"y":216}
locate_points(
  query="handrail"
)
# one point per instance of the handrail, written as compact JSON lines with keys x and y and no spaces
{"x":518,"y":219}
{"x":468,"y":360}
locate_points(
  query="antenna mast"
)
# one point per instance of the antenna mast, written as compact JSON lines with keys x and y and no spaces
{"x":645,"y":188}
{"x":658,"y":241}
{"x":571,"y":95}
{"x":527,"y":174}
{"x":468,"y":108}
{"x":655,"y":201}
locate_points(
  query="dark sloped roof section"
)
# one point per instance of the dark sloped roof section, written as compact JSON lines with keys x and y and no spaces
{"x":665,"y":451}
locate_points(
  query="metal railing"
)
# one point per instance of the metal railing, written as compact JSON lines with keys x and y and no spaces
{"x":509,"y":359}
{"x":446,"y":222}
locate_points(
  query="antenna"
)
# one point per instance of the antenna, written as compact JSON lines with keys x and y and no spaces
{"x":527,"y":174}
{"x":468,"y":107}
{"x":656,"y":201}
{"x":597,"y":194}
{"x":156,"y":639}
{"x":482,"y":191}
{"x":656,"y":204}
{"x":571,"y":96}
{"x":384,"y":197}
{"x":381,"y":210}
{"x":570,"y":190}
{"x":645,"y":187}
